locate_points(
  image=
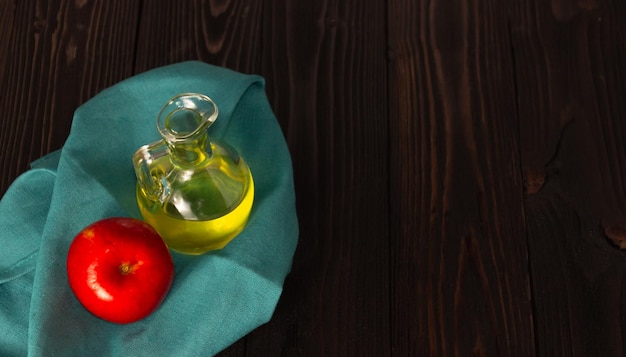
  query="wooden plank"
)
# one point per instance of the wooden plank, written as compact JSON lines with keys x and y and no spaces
{"x":225,"y":33}
{"x":325,"y":69}
{"x":460,"y":282}
{"x":569,"y":70}
{"x":7,"y":10}
{"x":55,"y":56}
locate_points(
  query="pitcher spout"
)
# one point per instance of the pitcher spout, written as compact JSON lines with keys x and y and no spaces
{"x":183,"y":123}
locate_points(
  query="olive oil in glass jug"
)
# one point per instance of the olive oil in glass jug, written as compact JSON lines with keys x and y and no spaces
{"x":196,"y":191}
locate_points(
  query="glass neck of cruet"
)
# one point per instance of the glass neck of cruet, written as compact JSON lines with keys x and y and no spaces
{"x":183,"y":123}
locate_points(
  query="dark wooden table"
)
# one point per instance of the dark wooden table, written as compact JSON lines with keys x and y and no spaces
{"x":460,"y":165}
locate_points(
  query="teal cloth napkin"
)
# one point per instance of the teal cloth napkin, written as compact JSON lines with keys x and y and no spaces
{"x":216,"y":298}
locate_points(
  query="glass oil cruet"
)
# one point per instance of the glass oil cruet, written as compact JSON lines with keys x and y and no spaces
{"x":196,"y":191}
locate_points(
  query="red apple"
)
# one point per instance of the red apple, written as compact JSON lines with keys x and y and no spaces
{"x":119,"y":269}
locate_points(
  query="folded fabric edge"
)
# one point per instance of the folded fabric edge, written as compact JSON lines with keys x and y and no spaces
{"x":23,"y":266}
{"x":263,"y":311}
{"x":17,"y":262}
{"x":49,"y":161}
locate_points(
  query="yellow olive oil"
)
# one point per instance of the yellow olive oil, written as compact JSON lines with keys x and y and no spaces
{"x":203,"y":207}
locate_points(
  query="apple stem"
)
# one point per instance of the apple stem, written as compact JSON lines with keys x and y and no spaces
{"x":125,"y":269}
{"x":129,"y":268}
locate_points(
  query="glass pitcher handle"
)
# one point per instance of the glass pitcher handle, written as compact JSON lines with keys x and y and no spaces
{"x":151,"y":182}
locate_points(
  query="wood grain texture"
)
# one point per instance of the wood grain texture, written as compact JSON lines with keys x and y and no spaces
{"x":7,"y":11}
{"x":569,"y":72}
{"x":221,"y":32}
{"x":56,"y":56}
{"x":458,"y":236}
